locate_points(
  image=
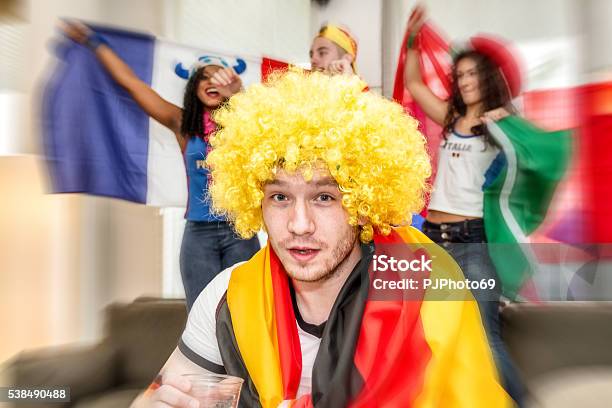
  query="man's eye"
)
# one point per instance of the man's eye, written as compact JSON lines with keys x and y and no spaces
{"x":325,"y":198}
{"x":278,"y":197}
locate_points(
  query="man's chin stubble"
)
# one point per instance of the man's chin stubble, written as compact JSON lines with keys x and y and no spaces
{"x":312,"y":278}
{"x":332,"y":268}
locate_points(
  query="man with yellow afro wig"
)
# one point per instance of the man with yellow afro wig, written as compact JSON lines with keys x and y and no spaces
{"x":330,"y":172}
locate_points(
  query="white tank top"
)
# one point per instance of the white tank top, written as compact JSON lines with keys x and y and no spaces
{"x":463,"y":161}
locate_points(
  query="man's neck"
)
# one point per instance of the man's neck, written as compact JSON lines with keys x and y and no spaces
{"x":316,"y":299}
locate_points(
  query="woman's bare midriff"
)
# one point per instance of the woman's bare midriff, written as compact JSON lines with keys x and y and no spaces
{"x":438,"y":217}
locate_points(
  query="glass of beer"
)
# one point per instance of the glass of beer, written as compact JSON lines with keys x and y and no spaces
{"x":215,"y":390}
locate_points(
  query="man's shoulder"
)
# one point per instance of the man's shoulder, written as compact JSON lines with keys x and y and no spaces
{"x":214,"y":292}
{"x":199,"y":340}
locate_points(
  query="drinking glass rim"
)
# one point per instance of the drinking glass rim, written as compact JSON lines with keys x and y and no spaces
{"x":207,"y":377}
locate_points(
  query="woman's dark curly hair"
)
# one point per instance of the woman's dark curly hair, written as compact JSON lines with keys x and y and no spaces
{"x":493,"y":90}
{"x":192,"y":122}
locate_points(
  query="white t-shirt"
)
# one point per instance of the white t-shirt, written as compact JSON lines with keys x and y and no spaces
{"x":463,"y":162}
{"x":200,"y":335}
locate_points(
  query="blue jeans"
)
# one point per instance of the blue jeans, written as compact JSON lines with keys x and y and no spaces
{"x":466,"y":241}
{"x":207,"y":249}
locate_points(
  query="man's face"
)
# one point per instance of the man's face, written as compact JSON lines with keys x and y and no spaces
{"x":307,"y":226}
{"x":322,"y":52}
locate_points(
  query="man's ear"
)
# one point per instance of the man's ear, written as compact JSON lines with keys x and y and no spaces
{"x":348,"y":57}
{"x":361,"y":221}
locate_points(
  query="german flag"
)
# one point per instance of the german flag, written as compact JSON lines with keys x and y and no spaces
{"x":393,"y":352}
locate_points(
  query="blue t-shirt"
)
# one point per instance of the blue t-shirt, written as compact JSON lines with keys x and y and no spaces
{"x":198,"y":177}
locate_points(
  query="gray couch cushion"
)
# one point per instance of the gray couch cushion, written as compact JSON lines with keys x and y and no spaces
{"x":144,"y":333}
{"x":85,"y":369}
{"x":585,"y":387}
{"x":119,"y":398}
{"x":543,"y":338}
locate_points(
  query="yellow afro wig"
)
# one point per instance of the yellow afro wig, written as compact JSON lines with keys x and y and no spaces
{"x":301,"y":121}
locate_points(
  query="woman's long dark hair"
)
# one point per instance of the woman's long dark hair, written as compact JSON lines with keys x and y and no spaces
{"x":192,"y":122}
{"x":493,"y":91}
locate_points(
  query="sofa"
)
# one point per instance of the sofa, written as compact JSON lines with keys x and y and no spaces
{"x":138,"y":339}
{"x":563,"y":352}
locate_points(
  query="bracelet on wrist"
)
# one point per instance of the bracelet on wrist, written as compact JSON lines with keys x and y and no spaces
{"x":94,"y":40}
{"x":412,"y":39}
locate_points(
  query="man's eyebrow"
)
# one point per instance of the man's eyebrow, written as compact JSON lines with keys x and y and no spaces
{"x":322,"y":48}
{"x":327,"y":181}
{"x":277,"y":183}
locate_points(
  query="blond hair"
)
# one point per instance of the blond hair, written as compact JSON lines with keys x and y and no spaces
{"x":300,"y":121}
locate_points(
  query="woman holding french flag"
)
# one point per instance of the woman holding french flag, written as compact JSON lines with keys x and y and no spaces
{"x":209,"y":245}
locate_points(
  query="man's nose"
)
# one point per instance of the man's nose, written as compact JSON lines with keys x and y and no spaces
{"x":301,"y":221}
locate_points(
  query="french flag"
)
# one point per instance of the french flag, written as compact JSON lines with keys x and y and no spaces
{"x":98,"y":141}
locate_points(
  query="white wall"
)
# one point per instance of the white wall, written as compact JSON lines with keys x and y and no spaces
{"x":546,"y":30}
{"x":274,"y":28}
{"x":595,"y":17}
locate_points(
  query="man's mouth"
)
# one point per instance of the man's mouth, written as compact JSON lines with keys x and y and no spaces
{"x":303,"y":253}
